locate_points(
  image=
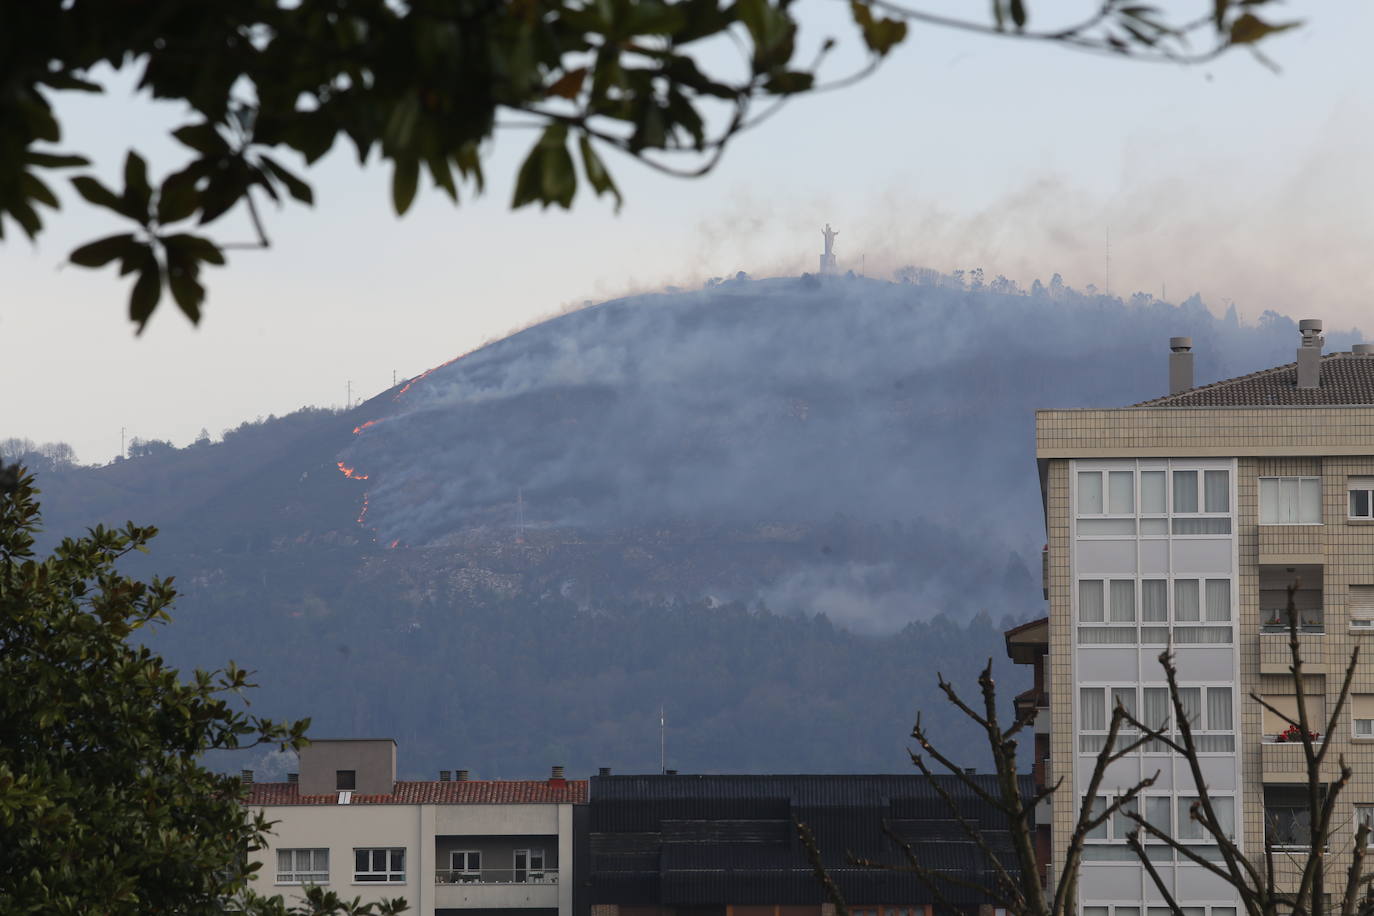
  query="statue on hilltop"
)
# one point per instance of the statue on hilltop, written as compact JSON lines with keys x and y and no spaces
{"x":828,"y":257}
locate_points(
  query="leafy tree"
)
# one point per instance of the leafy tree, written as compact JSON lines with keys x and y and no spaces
{"x":423,"y":83}
{"x":104,"y":805}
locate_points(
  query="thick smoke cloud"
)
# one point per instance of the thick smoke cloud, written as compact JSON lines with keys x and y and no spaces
{"x":828,"y":404}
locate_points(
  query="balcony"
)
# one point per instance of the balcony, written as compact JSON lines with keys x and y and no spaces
{"x":1284,"y":763}
{"x":496,"y":888}
{"x":1276,"y":658}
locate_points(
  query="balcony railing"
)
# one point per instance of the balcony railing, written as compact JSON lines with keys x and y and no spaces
{"x":496,"y":876}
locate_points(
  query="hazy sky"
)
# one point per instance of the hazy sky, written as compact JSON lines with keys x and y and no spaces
{"x":961,"y":152}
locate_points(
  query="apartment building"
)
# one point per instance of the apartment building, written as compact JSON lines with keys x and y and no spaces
{"x":1181,"y":522}
{"x":454,"y":845}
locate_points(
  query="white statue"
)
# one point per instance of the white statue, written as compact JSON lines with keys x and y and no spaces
{"x":829,"y":239}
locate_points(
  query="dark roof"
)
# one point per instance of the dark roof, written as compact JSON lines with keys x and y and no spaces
{"x":1346,"y":379}
{"x":466,"y":792}
{"x":708,"y":840}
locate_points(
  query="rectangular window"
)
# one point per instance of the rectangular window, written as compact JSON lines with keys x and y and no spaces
{"x":1218,"y":491}
{"x":466,"y":865}
{"x":1152,"y":501}
{"x":1290,"y":500}
{"x":379,"y":866}
{"x":1361,"y":606}
{"x":1123,"y":601}
{"x":1154,"y":600}
{"x":1125,"y":698}
{"x":1121,"y":492}
{"x":1185,"y":491}
{"x":1157,"y":815}
{"x":302,"y":866}
{"x":1287,"y":820}
{"x":1364,"y":814}
{"x":346,"y":780}
{"x":1362,"y":715}
{"x":1361,"y":497}
{"x":1280,"y":728}
{"x":1091,"y":606}
{"x":1089,"y":493}
{"x":1093,"y":708}
{"x":1218,"y":599}
{"x":1187,"y":600}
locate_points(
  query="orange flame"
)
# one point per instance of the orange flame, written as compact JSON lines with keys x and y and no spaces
{"x":358,"y":429}
{"x":350,"y":473}
{"x":427,"y":372}
{"x":363,"y":514}
{"x":392,"y":545}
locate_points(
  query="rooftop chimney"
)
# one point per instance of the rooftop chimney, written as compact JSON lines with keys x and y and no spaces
{"x":670,"y":772}
{"x":246,"y":781}
{"x":556,"y":777}
{"x":1363,"y":349}
{"x":444,"y":775}
{"x":1310,"y":353}
{"x":293,"y":779}
{"x":604,"y":771}
{"x":1180,"y":364}
{"x":461,"y":776}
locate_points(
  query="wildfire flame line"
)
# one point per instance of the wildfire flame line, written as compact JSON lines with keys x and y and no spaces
{"x":350,"y":473}
{"x":363,"y":514}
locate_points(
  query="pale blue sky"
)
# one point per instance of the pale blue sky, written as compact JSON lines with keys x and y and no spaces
{"x":961,"y":152}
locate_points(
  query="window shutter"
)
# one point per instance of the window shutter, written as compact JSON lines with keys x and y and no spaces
{"x":1362,"y":706}
{"x":1362,"y":602}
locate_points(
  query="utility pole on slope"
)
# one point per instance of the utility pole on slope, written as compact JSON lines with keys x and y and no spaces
{"x":662,"y":741}
{"x":348,"y":398}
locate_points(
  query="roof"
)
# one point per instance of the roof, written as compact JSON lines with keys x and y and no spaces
{"x":1346,"y":379}
{"x":467,"y":792}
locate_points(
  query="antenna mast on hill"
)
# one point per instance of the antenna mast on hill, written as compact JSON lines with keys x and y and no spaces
{"x":348,"y":398}
{"x":662,"y":741}
{"x":1109,"y":260}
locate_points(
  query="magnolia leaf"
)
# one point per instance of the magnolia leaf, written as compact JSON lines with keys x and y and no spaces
{"x":404,"y":181}
{"x":101,"y":252}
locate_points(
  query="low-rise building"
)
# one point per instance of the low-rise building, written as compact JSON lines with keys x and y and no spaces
{"x":447,"y":846}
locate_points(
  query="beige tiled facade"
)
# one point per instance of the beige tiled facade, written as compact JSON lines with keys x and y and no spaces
{"x":1331,"y":443}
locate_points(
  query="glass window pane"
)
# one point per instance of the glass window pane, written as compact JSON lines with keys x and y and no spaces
{"x":1121,"y":492}
{"x":1310,"y":501}
{"x":1185,"y":491}
{"x":1218,"y":491}
{"x":1288,"y":500}
{"x":1187,"y":602}
{"x":1191,"y":699}
{"x":1090,"y":601}
{"x":1128,"y":910}
{"x":1154,"y":600}
{"x":1123,"y":825}
{"x":1093,"y":708}
{"x":1156,"y":707}
{"x":1157,"y":812}
{"x":1089,"y":493}
{"x":1094,"y":911}
{"x":1223,"y":911}
{"x":1225,"y":810}
{"x":1188,"y":829}
{"x":1219,"y":709}
{"x":1218,"y":599}
{"x":1099,"y":832}
{"x":1269,"y":500}
{"x":1359,"y":503}
{"x":361,"y":860}
{"x":1123,"y":600}
{"x":1152,"y":492}
{"x":1125,"y":698}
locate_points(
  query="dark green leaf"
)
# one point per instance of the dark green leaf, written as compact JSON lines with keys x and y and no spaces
{"x":98,"y":194}
{"x":294,"y":186}
{"x":404,"y":179}
{"x":1018,"y":13}
{"x":202,"y":137}
{"x":146,"y":292}
{"x":54,"y":160}
{"x":102,"y":252}
{"x":138,"y":194}
{"x":1249,"y":28}
{"x":177,"y":199}
{"x":597,"y":176}
{"x":193,"y":247}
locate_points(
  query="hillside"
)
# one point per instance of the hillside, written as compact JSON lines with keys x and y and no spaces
{"x":775,"y":507}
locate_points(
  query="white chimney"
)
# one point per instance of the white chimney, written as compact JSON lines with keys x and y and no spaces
{"x":1310,"y":353}
{"x":1180,"y":364}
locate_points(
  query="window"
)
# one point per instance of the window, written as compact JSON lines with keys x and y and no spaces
{"x":1158,"y":811}
{"x":345,"y":780}
{"x":1362,"y":715}
{"x":379,"y":866}
{"x":529,"y":866}
{"x":1277,"y":691}
{"x":1361,"y":606}
{"x":1211,"y":716}
{"x":1290,"y":500}
{"x":1106,"y":492}
{"x":1111,"y":602}
{"x":466,"y":864}
{"x":1364,"y":814}
{"x":302,"y":866}
{"x":1223,"y":806}
{"x":1361,"y":497}
{"x":1286,"y":817}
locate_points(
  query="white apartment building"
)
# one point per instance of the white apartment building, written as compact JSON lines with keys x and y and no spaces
{"x":1181,"y":521}
{"x":455,"y":845}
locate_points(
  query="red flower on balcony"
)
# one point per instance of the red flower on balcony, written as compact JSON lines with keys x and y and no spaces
{"x":1294,"y":734}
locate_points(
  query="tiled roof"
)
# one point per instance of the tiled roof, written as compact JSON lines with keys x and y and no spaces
{"x":468,"y":792}
{"x":1346,"y":379}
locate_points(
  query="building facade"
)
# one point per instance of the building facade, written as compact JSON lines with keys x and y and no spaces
{"x":1182,"y":522}
{"x":454,"y":845}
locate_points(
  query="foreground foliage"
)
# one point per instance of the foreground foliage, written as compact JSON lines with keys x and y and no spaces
{"x":423,"y":84}
{"x":104,"y":805}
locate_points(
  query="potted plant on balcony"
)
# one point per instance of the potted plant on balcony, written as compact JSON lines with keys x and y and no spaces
{"x":1294,"y":734}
